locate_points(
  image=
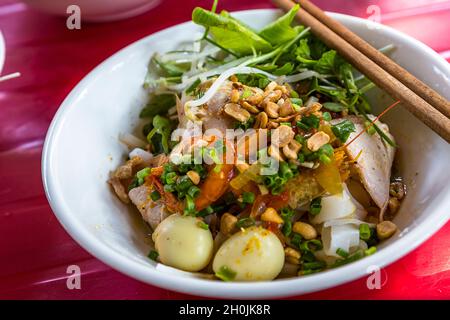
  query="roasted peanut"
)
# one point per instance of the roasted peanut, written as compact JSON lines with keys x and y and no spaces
{"x":317,"y":140}
{"x":282,"y":135}
{"x":234,"y":98}
{"x":271,"y":215}
{"x":292,"y":255}
{"x":272,"y":109}
{"x":194,"y":176}
{"x":291,"y":150}
{"x":386,"y":229}
{"x":227,"y":223}
{"x":235,"y":111}
{"x":393,"y":205}
{"x":261,"y":121}
{"x":286,"y":109}
{"x":247,"y":106}
{"x":274,"y":152}
{"x":397,"y":189}
{"x":306,"y":230}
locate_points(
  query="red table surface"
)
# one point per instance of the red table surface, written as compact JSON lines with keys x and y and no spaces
{"x":35,"y":251}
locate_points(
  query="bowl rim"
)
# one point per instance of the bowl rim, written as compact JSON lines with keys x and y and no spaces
{"x":2,"y":51}
{"x":202,"y":287}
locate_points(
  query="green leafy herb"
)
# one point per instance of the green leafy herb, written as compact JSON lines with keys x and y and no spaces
{"x":253,"y":80}
{"x":193,"y":86}
{"x":326,"y":63}
{"x":326,"y":116}
{"x":309,"y":122}
{"x":343,"y":129}
{"x":334,"y":106}
{"x":230,"y":33}
{"x":158,"y":104}
{"x":287,"y":68}
{"x":281,"y":30}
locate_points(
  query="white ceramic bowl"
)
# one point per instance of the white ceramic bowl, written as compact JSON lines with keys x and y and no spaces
{"x":96,"y":10}
{"x":82,"y":147}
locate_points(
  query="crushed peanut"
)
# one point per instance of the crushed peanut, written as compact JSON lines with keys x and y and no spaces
{"x":227,"y":223}
{"x":271,"y":215}
{"x":234,"y":110}
{"x":386,"y":229}
{"x":317,"y":140}
{"x":194,"y":176}
{"x":292,"y":255}
{"x":307,"y":231}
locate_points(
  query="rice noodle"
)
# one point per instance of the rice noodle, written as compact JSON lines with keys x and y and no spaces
{"x":132,"y":141}
{"x":221,"y":79}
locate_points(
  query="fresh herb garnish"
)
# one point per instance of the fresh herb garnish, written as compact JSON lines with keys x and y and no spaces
{"x":343,"y":129}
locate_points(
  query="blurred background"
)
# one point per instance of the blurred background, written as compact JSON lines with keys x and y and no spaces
{"x":35,"y":251}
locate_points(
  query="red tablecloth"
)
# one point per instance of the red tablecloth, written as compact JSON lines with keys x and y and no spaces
{"x":35,"y":250}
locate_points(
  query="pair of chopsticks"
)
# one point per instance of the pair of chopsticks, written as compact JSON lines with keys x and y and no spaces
{"x":422,"y":101}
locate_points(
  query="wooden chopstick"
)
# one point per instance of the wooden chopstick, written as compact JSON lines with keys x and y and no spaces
{"x":396,"y":89}
{"x":420,"y":88}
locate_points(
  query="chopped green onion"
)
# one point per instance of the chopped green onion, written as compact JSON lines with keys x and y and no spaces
{"x":315,"y":206}
{"x":226,"y":274}
{"x":245,"y":222}
{"x":169,"y":188}
{"x":353,"y":257}
{"x":190,"y":206}
{"x":194,"y":191}
{"x":364,"y":232}
{"x":142,"y":174}
{"x":184,"y":183}
{"x":370,"y":251}
{"x":153,"y":255}
{"x":207,"y":211}
{"x":285,"y":171}
{"x":296,"y":240}
{"x":248,"y":197}
{"x":247,"y":93}
{"x":155,"y":195}
{"x":314,"y":265}
{"x":324,"y":159}
{"x":341,"y":252}
{"x":311,"y":245}
{"x":171,"y":178}
{"x":203,"y":225}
